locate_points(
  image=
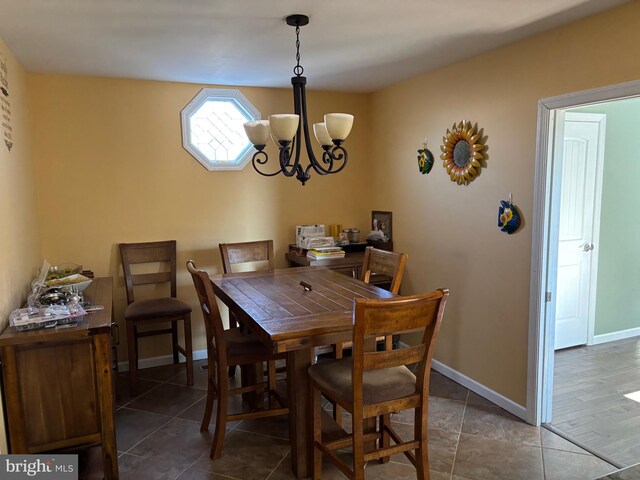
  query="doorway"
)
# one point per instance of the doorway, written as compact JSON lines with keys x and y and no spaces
{"x":547,"y":281}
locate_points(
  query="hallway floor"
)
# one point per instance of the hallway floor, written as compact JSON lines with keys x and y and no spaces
{"x":589,"y":403}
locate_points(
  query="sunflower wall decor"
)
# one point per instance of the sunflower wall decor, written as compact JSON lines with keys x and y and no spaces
{"x":462,"y":150}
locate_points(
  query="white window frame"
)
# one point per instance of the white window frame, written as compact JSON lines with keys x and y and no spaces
{"x":217,"y":94}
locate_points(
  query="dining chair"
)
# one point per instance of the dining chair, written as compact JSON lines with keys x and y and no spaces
{"x":376,"y":263}
{"x":162,"y":309}
{"x":382,"y":262}
{"x":226,"y":348}
{"x":260,"y":251}
{"x":250,"y":254}
{"x":374,"y":384}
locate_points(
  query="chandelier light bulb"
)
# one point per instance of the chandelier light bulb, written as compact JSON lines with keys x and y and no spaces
{"x":338,"y":125}
{"x":322,"y":136}
{"x":284,"y":126}
{"x":258,"y":131}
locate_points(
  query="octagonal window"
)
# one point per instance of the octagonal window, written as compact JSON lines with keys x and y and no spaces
{"x":212,"y":128}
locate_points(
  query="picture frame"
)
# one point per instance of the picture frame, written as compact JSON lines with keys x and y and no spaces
{"x":384,"y":223}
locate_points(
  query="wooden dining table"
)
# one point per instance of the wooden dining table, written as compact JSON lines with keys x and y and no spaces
{"x":294,"y":310}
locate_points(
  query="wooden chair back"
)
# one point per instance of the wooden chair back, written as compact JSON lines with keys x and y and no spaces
{"x":382,"y":262}
{"x":148,"y":252}
{"x":217,"y":348}
{"x":375,"y":317}
{"x":245,"y":252}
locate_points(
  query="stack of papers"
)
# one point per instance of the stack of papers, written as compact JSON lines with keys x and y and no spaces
{"x":325,"y":252}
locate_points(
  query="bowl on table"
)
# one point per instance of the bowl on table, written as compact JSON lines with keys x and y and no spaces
{"x":78,"y":281}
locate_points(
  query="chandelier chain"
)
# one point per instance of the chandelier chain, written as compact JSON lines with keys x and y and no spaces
{"x":298,"y":70}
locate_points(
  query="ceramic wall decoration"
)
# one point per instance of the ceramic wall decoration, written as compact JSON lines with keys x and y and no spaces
{"x":425,"y":159}
{"x":5,"y":105}
{"x":509,"y":218}
{"x":462,"y":150}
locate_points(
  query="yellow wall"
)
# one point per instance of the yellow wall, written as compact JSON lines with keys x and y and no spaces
{"x":111,"y":169}
{"x":450,"y":231}
{"x":20,"y":254}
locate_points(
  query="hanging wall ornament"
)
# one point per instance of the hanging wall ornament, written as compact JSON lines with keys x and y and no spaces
{"x":509,"y":218}
{"x":425,"y":159}
{"x":462,"y":150}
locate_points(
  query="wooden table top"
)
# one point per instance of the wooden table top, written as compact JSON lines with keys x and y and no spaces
{"x":279,"y":310}
{"x":100,"y":292}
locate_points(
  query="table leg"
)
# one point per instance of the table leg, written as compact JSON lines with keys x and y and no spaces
{"x":102,"y":347}
{"x":300,"y":415}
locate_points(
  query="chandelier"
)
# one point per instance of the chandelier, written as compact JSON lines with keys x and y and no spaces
{"x":289,"y":131}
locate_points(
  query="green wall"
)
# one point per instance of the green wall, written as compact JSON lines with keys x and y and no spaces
{"x":618,"y":292}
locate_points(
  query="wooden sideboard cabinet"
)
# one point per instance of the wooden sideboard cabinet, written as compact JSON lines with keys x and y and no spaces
{"x":58,"y":386}
{"x":350,"y":265}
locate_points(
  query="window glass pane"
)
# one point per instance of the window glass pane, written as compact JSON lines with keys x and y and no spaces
{"x":217,"y":131}
{"x":213,"y":129}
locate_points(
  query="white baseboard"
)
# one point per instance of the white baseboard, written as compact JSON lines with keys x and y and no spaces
{"x":161,"y":360}
{"x":621,"y":335}
{"x":485,"y":392}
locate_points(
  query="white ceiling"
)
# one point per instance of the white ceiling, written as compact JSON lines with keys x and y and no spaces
{"x":349,"y":45}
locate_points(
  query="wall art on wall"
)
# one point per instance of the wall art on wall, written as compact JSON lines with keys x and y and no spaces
{"x":5,"y":106}
{"x":462,"y":151}
{"x":381,"y":222}
{"x":509,"y":218}
{"x":425,"y":159}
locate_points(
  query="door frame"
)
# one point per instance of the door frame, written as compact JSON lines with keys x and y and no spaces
{"x":601,"y":119}
{"x":542,"y":307}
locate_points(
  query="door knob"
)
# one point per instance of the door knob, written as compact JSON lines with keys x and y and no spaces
{"x":586,"y":247}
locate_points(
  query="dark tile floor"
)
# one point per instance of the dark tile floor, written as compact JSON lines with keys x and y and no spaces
{"x":159,"y":438}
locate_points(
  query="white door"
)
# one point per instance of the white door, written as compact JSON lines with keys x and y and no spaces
{"x":582,"y":160}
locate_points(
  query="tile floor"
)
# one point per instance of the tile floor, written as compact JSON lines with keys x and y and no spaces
{"x":159,"y":438}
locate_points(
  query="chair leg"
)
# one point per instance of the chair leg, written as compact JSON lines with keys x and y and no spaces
{"x":221,"y":419}
{"x":188,"y":347}
{"x":258,"y":368}
{"x":422,"y":452}
{"x":174,"y":341}
{"x":211,"y":395}
{"x":385,"y":421}
{"x":316,"y":409}
{"x":271,"y":381}
{"x":358,"y":444}
{"x":338,"y":352}
{"x":132,"y":348}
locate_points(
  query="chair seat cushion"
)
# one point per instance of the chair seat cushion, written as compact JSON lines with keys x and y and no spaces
{"x":241,"y":345}
{"x":156,"y":308}
{"x":334,"y":378}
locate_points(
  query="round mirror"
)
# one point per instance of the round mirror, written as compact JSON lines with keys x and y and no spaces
{"x":461,"y":153}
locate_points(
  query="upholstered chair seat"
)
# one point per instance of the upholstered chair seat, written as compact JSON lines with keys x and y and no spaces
{"x":334,"y":378}
{"x":156,"y":306}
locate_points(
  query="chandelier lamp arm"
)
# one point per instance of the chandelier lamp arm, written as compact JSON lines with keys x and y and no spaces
{"x":333,"y":154}
{"x":286,"y":167}
{"x":261,"y":158}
